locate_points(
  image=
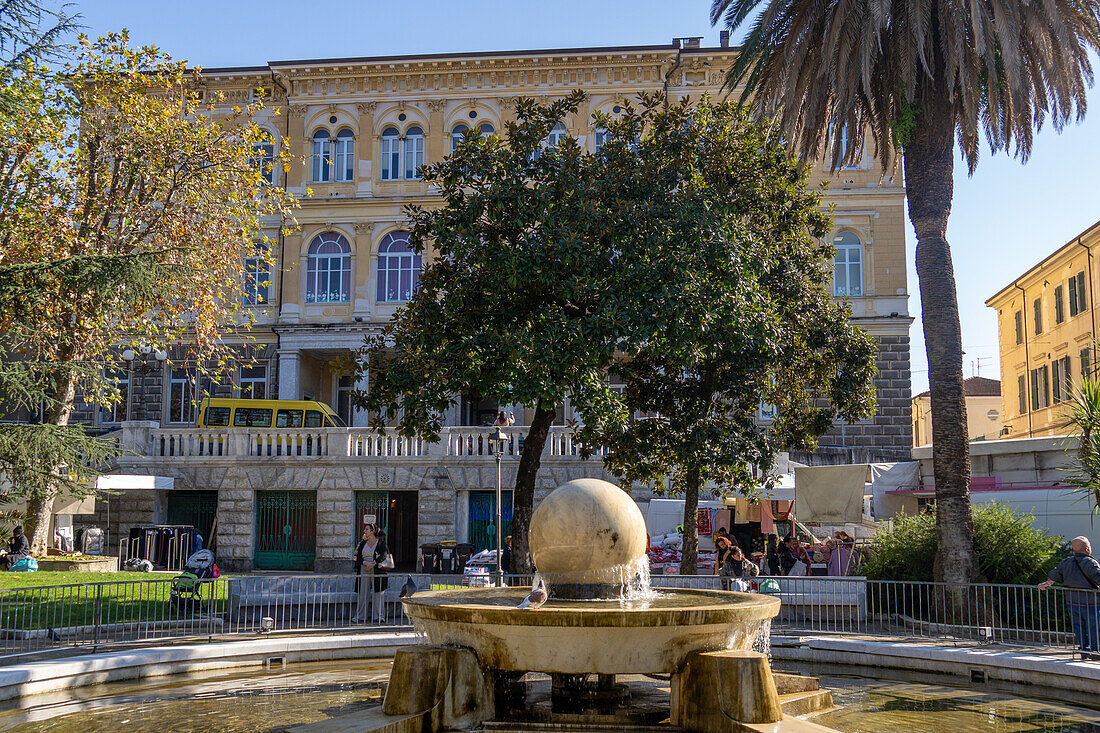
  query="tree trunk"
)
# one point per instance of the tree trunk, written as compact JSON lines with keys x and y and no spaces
{"x":689,"y":558}
{"x":523,"y":494}
{"x":929,"y":185}
{"x":41,"y":500}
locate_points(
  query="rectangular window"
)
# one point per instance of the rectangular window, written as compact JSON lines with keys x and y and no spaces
{"x":391,"y":154}
{"x":253,"y":382}
{"x":217,"y":417}
{"x":414,"y":156}
{"x":1086,"y":363}
{"x":252,"y":417}
{"x":257,"y":281}
{"x":1019,"y":327}
{"x":314,"y":419}
{"x":1040,"y":388}
{"x":181,"y":395}
{"x":1059,"y":309}
{"x":263,"y":159}
{"x":1078,"y":300}
{"x":1038,"y":306}
{"x":1021,"y":383}
{"x":1067,"y":378}
{"x":118,"y":410}
{"x":288,"y":419}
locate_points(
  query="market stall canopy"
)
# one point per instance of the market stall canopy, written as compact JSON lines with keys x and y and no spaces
{"x":830,"y":494}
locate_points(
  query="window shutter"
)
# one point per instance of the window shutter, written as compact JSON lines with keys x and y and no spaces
{"x":1082,"y":300}
{"x":1059,"y":308}
{"x":1056,"y":386}
{"x":1085,"y":366}
{"x":1073,"y":297}
{"x":1021,"y":384}
{"x":1038,"y":306}
{"x":1019,"y":327}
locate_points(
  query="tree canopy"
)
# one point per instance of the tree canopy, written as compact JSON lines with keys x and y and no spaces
{"x":551,"y":267}
{"x":746,"y":317}
{"x":128,"y":205}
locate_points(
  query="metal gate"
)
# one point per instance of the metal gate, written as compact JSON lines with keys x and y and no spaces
{"x":286,"y":530}
{"x":483,"y":517}
{"x":196,"y":508}
{"x":372,"y":502}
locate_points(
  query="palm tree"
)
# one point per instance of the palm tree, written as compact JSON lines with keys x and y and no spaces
{"x":915,"y":75}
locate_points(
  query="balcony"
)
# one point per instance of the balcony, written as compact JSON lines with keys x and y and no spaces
{"x":147,"y":441}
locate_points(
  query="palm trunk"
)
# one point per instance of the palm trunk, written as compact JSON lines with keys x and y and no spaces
{"x":689,"y":558}
{"x":523,"y":494}
{"x":929,"y":185}
{"x":41,"y":500}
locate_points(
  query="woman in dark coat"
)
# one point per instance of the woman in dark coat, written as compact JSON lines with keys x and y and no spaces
{"x":370,"y":559}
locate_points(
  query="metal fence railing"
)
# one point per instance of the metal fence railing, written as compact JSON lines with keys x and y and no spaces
{"x":58,"y":620}
{"x":982,"y":612}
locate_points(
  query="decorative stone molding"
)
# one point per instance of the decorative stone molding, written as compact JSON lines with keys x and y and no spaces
{"x":364,"y":227}
{"x":366,"y":108}
{"x":437,"y":105}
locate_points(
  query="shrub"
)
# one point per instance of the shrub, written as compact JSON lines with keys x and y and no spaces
{"x":1009,"y":548}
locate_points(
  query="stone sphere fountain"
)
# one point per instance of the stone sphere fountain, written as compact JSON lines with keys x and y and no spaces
{"x":588,"y":542}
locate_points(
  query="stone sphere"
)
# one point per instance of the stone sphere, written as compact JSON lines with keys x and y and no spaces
{"x":586,"y":526}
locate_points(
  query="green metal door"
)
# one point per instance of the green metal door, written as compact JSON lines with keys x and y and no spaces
{"x":372,"y":502}
{"x":196,"y":508}
{"x":483,"y":516}
{"x":286,"y":530}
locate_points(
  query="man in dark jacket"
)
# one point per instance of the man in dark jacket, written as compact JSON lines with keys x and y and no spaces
{"x":1081,"y":572}
{"x":19,"y":549}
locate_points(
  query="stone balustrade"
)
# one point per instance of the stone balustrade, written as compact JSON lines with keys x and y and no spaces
{"x":149,"y":440}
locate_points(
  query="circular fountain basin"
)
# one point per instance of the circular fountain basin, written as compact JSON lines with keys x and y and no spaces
{"x":651,"y":636}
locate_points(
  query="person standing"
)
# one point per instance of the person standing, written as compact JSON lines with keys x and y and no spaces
{"x":19,"y":548}
{"x":506,"y":556}
{"x":1080,"y":574}
{"x":371,"y":558}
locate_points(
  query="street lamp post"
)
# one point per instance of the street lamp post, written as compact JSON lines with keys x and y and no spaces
{"x":500,"y":440}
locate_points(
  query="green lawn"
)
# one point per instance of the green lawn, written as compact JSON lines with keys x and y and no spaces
{"x":33,"y":580}
{"x":88,"y":598}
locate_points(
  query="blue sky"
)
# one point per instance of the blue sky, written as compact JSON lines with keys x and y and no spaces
{"x":1004,"y":219}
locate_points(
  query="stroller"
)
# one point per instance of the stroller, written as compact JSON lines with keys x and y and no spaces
{"x":186,"y":593}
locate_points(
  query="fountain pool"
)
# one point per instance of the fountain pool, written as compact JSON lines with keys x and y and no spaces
{"x":258,"y":701}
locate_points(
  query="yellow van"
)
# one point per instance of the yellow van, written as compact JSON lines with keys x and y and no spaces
{"x":219,"y":412}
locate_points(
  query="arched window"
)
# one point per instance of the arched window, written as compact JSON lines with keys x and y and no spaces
{"x":391,"y":153}
{"x":328,"y":275}
{"x":414,"y":152}
{"x":456,"y":135}
{"x":398,"y":268}
{"x":848,"y":265}
{"x":322,"y":157}
{"x":486,"y":128}
{"x":345,"y":155}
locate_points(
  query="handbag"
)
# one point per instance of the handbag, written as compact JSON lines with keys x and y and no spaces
{"x":387,"y":562}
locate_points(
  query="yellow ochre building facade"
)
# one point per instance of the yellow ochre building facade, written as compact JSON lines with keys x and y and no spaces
{"x":1046,"y":320}
{"x":359,"y":129}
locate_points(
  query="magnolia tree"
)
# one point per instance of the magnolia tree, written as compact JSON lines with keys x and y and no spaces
{"x":128,"y":205}
{"x":552,"y":267}
{"x":746,"y":317}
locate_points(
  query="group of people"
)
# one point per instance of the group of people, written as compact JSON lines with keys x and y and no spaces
{"x":789,"y":557}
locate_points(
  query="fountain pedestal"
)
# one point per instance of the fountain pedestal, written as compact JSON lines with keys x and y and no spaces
{"x":717,"y":690}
